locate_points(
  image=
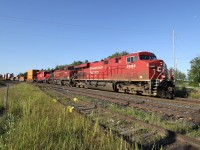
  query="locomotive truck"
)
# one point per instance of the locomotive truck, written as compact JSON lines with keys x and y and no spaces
{"x":137,"y":73}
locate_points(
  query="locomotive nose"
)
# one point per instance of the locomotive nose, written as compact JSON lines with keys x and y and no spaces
{"x":157,"y":69}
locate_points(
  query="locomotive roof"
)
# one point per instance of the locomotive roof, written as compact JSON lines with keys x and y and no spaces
{"x":143,"y":52}
{"x":139,"y":52}
{"x":131,"y":54}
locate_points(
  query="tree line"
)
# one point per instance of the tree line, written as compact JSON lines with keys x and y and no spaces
{"x":194,"y":72}
{"x":75,"y":63}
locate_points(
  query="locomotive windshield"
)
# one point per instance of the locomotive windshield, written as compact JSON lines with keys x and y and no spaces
{"x":148,"y":57}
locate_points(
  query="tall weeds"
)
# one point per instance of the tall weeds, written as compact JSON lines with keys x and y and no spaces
{"x":36,"y":121}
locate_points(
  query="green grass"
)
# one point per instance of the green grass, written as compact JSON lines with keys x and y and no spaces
{"x":195,"y":93}
{"x":36,"y":121}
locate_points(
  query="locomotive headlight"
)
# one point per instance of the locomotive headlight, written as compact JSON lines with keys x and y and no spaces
{"x":163,"y":76}
{"x":159,"y":69}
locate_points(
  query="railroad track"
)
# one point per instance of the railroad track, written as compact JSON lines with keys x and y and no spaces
{"x":132,"y":130}
{"x":168,"y":108}
{"x":188,"y":101}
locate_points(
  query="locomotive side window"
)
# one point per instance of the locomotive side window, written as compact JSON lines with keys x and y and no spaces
{"x":147,"y":57}
{"x":116,"y":60}
{"x":70,"y":68}
{"x":136,"y":58}
{"x":128,"y":59}
{"x":106,"y":62}
{"x":153,"y":57}
{"x":131,"y":59}
{"x":144,"y":57}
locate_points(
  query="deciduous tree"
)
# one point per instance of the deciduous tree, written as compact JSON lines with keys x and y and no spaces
{"x":194,"y":72}
{"x":118,"y":54}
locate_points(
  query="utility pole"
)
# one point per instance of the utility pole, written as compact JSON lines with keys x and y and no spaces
{"x":174,"y":49}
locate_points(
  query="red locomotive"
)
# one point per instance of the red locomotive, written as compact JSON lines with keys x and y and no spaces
{"x":138,"y":73}
{"x":57,"y":76}
{"x":63,"y":77}
{"x":43,"y":76}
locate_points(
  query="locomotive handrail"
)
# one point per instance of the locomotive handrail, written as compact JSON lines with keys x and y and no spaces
{"x":153,"y":73}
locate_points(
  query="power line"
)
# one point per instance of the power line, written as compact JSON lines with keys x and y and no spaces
{"x":178,"y":58}
{"x":82,"y":27}
{"x":13,"y":18}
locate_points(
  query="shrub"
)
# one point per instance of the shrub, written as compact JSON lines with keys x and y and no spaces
{"x":2,"y":83}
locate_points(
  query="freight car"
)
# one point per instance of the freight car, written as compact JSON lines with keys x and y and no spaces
{"x":137,"y":73}
{"x":32,"y":75}
{"x":22,"y":78}
{"x":8,"y":76}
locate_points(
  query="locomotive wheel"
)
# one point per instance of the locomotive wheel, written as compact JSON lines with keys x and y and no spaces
{"x":115,"y":87}
{"x":170,"y":93}
{"x":163,"y":93}
{"x":85,"y":86}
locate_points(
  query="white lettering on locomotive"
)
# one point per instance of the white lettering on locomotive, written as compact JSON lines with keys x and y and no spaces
{"x":132,"y":66}
{"x":97,"y":67}
{"x":94,"y":72}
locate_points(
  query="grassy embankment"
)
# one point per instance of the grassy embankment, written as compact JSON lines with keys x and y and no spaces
{"x":185,"y":91}
{"x":36,"y":121}
{"x":190,"y":92}
{"x":195,"y":93}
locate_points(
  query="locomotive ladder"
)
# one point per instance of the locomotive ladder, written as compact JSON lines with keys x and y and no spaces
{"x":155,"y":87}
{"x":74,"y":76}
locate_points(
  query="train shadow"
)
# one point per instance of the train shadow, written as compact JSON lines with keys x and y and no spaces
{"x":157,"y":145}
{"x":183,"y":92}
{"x":170,"y":139}
{"x":2,"y":110}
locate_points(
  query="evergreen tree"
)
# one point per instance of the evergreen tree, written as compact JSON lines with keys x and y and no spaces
{"x":76,"y":63}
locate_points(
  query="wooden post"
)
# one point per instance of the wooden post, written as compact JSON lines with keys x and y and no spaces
{"x":7,"y":98}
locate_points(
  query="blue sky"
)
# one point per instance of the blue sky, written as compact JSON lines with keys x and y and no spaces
{"x":36,"y":34}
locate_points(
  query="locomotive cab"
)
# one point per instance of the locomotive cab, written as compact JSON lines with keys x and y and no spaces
{"x":155,"y":69}
{"x":160,"y":83}
{"x":150,"y":75}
